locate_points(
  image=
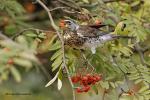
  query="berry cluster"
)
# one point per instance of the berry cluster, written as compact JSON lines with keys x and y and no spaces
{"x":85,"y":81}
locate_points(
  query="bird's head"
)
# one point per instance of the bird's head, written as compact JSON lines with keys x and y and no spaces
{"x":69,"y":24}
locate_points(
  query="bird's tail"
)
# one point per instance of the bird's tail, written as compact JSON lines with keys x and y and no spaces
{"x":121,"y":36}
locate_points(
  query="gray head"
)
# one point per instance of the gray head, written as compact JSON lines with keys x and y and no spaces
{"x":71,"y":25}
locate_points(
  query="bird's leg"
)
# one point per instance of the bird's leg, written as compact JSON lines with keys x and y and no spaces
{"x":87,"y":60}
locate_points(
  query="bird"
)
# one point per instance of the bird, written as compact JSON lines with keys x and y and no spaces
{"x":86,"y":36}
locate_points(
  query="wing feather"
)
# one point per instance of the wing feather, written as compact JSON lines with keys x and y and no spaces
{"x":86,"y":31}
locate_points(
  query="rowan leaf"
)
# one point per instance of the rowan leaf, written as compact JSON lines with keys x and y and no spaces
{"x":53,"y":80}
{"x":59,"y":84}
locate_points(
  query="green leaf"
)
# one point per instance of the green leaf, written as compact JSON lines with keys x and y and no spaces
{"x":22,"y":40}
{"x":23,"y":62}
{"x":52,"y":81}
{"x":56,"y":54}
{"x":4,"y":75}
{"x":56,"y":66}
{"x":85,"y":1}
{"x":112,"y":84}
{"x":57,"y":61}
{"x":30,"y":34}
{"x":104,"y":84}
{"x":10,"y":29}
{"x":52,"y":40}
{"x":56,"y":46}
{"x":15,"y":74}
{"x":42,"y":35}
{"x":138,"y":81}
{"x":95,"y":89}
{"x":143,"y":89}
{"x":27,"y":55}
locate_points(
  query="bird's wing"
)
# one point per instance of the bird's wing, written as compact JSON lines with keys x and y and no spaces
{"x":86,"y":31}
{"x":97,"y":26}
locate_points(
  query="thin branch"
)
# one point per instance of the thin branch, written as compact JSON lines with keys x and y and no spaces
{"x":146,"y":49}
{"x":3,"y":37}
{"x":62,"y":43}
{"x":104,"y":93}
{"x":122,"y":91}
{"x":110,"y":1}
{"x":57,"y":8}
{"x":70,"y":3}
{"x":22,"y":32}
{"x":89,"y":63}
{"x":141,"y":54}
{"x":138,"y":48}
{"x":124,"y":74}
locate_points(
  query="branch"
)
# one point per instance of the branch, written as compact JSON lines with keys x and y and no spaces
{"x":110,"y":1}
{"x":83,"y":55}
{"x":57,"y":8}
{"x":141,"y":54}
{"x":146,"y":49}
{"x":124,"y":74}
{"x":22,"y":32}
{"x":71,"y":4}
{"x":62,"y":43}
{"x":104,"y":93}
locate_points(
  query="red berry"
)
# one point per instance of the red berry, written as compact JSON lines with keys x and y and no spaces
{"x":74,"y":79}
{"x":79,"y":90}
{"x":84,"y":78}
{"x":10,"y":61}
{"x":98,"y":78}
{"x":88,"y":75}
{"x":86,"y":88}
{"x":6,"y":49}
{"x":94,"y":79}
{"x":78,"y":77}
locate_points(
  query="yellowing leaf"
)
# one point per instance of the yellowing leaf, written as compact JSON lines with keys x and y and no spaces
{"x":52,"y":81}
{"x":59,"y":84}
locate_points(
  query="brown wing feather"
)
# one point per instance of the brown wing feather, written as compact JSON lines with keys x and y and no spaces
{"x":97,"y":25}
{"x":87,"y":31}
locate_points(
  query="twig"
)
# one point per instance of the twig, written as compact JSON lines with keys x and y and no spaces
{"x":62,"y":43}
{"x":110,"y":1}
{"x":104,"y":93}
{"x":70,"y":4}
{"x":138,"y":48}
{"x":22,"y":32}
{"x":140,"y":52}
{"x":3,"y":37}
{"x":57,"y":8}
{"x":124,"y":74}
{"x":122,"y":91}
{"x":146,"y":49}
{"x":87,"y":61}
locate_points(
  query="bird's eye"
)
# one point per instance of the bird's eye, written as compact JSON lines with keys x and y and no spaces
{"x":69,"y":23}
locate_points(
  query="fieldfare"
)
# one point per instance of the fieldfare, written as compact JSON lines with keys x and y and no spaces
{"x":86,"y":36}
